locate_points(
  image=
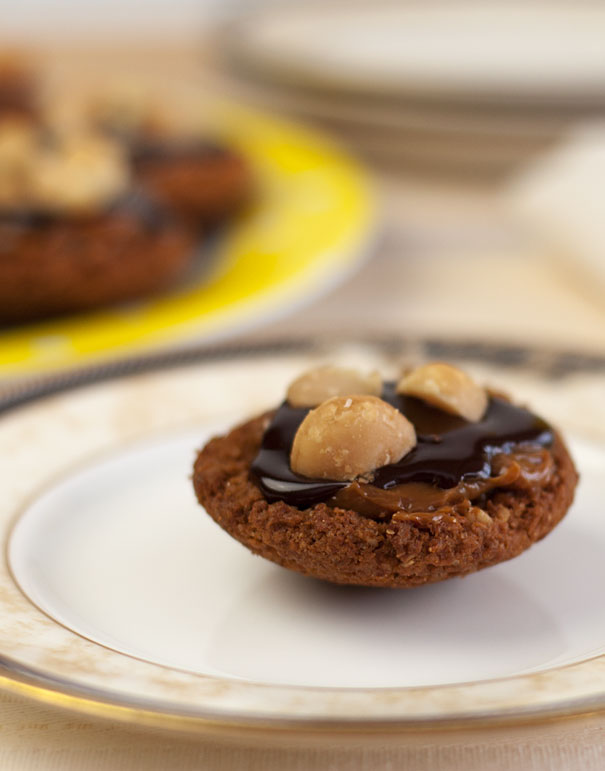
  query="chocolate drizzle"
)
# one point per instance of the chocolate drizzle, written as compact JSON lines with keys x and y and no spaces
{"x":449,"y":449}
{"x":150,"y":214}
{"x":150,"y":151}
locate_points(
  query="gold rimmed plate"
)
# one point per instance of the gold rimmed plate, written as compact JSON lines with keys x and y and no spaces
{"x":121,"y":598}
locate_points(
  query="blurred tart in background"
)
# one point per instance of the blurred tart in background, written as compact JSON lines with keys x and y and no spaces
{"x":108,"y":207}
{"x":201,"y":181}
{"x":196,"y":177}
{"x":74,"y":233}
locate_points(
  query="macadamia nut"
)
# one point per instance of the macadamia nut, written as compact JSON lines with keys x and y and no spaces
{"x":17,"y":149}
{"x":350,"y":436}
{"x":315,"y":386}
{"x":128,"y":108}
{"x":82,"y":173}
{"x":446,"y":387}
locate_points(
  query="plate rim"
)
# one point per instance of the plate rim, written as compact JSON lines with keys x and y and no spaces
{"x":249,"y":59}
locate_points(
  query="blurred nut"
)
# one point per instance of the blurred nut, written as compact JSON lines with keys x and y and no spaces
{"x":446,"y":387}
{"x":83,"y":173}
{"x":350,"y":436}
{"x":128,"y":109}
{"x":18,"y":142}
{"x":317,"y":385}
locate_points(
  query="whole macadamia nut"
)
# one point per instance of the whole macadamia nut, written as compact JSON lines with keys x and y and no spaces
{"x":317,"y":385}
{"x":350,"y":436}
{"x":18,"y":145}
{"x":446,"y":387}
{"x":81,"y":173}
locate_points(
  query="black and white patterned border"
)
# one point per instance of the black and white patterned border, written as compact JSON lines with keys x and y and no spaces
{"x":548,"y":363}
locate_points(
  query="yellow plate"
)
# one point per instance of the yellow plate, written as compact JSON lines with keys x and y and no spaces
{"x":309,"y":227}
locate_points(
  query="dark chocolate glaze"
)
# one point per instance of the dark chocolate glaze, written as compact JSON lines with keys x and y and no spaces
{"x":151,"y":151}
{"x":449,"y":449}
{"x":134,"y":204}
{"x":26,"y":217}
{"x":150,"y":213}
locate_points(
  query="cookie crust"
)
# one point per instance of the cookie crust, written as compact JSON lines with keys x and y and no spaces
{"x":344,"y":547}
{"x":69,"y":265}
{"x":202,"y":187}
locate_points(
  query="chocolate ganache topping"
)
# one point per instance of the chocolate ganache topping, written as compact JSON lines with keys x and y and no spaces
{"x":156,"y":151}
{"x":136,"y":205}
{"x":449,"y":451}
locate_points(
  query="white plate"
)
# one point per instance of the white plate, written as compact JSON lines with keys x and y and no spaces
{"x":121,"y":597}
{"x":549,"y":51}
{"x":413,"y":135}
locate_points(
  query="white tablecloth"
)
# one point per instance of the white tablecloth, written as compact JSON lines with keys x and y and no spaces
{"x":36,"y":738}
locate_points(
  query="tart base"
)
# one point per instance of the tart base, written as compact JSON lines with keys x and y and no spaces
{"x":344,"y":547}
{"x":73,"y":266}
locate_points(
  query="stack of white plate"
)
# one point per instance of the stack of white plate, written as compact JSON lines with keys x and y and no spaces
{"x":448,"y":84}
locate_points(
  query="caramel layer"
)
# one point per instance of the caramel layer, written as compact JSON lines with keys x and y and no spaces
{"x":523,"y":468}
